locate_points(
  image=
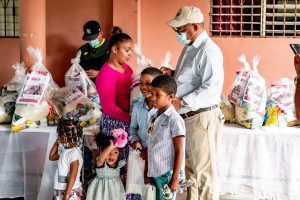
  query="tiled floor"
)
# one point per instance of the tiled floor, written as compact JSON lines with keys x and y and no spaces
{"x":181,"y":196}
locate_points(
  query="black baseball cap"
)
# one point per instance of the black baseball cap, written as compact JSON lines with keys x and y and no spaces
{"x":91,"y":30}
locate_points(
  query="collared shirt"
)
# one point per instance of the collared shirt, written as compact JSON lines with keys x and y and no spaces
{"x":199,"y":74}
{"x":161,"y":152}
{"x":140,"y":122}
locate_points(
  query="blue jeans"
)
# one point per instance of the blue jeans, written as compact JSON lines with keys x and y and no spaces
{"x":160,"y":181}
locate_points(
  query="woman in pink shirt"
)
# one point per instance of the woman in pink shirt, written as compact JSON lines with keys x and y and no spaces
{"x":113,"y":85}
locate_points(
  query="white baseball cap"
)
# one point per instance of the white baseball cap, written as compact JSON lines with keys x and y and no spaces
{"x":186,"y":15}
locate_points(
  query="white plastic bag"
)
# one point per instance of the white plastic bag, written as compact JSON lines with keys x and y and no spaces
{"x":10,"y":93}
{"x":149,"y":192}
{"x":32,"y":106}
{"x":73,"y":104}
{"x":166,"y":61}
{"x":249,"y":95}
{"x":135,"y":173}
{"x":240,"y":81}
{"x":76,"y":76}
{"x":142,"y":63}
{"x":280,"y":109}
{"x":16,"y":82}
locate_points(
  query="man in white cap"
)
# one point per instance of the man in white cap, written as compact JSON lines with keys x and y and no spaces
{"x":199,"y":75}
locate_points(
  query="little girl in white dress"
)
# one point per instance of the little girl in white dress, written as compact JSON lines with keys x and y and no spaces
{"x":108,"y":185}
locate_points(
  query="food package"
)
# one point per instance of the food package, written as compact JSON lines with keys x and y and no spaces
{"x":280,"y":109}
{"x":76,"y":76}
{"x":32,"y":103}
{"x":73,"y":104}
{"x":227,"y":110}
{"x":9,"y":93}
{"x":15,"y":83}
{"x":249,"y":95}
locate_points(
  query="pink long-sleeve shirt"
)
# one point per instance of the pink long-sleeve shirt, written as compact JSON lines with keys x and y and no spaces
{"x":114,"y":91}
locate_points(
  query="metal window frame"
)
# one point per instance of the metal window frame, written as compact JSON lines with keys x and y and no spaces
{"x":283,"y":5}
{"x":4,"y":5}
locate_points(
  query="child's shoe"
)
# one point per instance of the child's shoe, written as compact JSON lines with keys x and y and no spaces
{"x":167,"y":193}
{"x":183,"y":185}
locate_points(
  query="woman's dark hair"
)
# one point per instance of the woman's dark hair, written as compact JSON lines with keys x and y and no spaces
{"x":116,"y":29}
{"x":69,"y":128}
{"x":153,"y":71}
{"x":103,"y":141}
{"x":117,"y":39}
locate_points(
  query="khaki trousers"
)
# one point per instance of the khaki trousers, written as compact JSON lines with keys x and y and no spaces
{"x":202,"y":133}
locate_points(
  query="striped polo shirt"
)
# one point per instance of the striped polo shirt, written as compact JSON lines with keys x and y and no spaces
{"x":161,"y":152}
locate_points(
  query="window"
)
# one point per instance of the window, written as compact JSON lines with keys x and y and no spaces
{"x":9,"y":18}
{"x":266,"y":18}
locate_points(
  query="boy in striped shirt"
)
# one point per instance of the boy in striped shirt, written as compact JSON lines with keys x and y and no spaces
{"x":166,"y":137}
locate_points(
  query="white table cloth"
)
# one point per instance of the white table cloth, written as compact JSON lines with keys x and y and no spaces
{"x":25,"y":170}
{"x":260,"y":164}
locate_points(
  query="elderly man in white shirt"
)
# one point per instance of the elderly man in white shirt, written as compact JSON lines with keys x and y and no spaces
{"x":199,"y":75}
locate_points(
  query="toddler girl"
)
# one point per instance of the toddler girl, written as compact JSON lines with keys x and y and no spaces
{"x":107,"y":184}
{"x":67,"y":151}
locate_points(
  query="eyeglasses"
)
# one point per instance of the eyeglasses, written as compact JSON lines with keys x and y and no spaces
{"x":181,"y":29}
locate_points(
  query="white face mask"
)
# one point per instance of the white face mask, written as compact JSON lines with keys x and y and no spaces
{"x":182,"y":38}
{"x":94,"y":42}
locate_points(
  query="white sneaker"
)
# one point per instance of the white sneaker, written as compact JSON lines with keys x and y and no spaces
{"x":167,"y":193}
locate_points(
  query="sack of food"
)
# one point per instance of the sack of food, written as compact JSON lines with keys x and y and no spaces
{"x":280,"y":109}
{"x":227,"y":110}
{"x":15,"y":83}
{"x":32,"y":102}
{"x":73,"y":104}
{"x":9,"y":93}
{"x":76,"y":76}
{"x":249,"y":95}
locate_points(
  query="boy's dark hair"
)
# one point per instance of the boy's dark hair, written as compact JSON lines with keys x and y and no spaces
{"x":69,"y":128}
{"x":166,"y":83}
{"x":103,"y":141}
{"x":152,"y":71}
{"x":117,"y":39}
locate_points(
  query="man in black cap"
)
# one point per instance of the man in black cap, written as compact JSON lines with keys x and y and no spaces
{"x":95,"y":52}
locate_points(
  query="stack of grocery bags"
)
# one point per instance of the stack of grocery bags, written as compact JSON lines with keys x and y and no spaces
{"x":251,"y":105}
{"x":33,"y":99}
